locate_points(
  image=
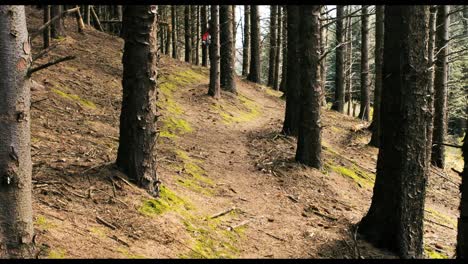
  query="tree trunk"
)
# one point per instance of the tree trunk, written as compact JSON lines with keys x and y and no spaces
{"x":214,"y":86}
{"x":246,"y":44}
{"x":197,"y":33}
{"x":338,"y":104}
{"x":87,"y":15}
{"x":278,"y":51}
{"x":293,"y":99}
{"x":440,"y":87}
{"x":323,"y":62}
{"x":193,"y":32}
{"x":272,"y":56}
{"x":349,"y":62}
{"x":16,"y":224}
{"x":46,"y":32}
{"x":204,"y":23}
{"x":395,"y":218}
{"x":187,"y":32}
{"x":175,"y":55}
{"x":228,"y":82}
{"x":254,"y":71}
{"x":379,"y":40}
{"x":284,"y":69}
{"x":234,"y":32}
{"x":365,"y":101}
{"x":431,"y":46}
{"x":168,"y":34}
{"x":56,"y":29}
{"x":136,"y":155}
{"x":309,"y":139}
{"x":462,"y":236}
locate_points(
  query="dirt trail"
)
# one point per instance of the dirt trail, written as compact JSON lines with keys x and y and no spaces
{"x":213,"y":155}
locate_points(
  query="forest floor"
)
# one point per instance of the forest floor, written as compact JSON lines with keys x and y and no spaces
{"x":230,"y":186}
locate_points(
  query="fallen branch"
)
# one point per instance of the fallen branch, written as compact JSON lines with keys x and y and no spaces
{"x":222,"y":213}
{"x":43,"y":66}
{"x":104,"y":222}
{"x":44,"y":51}
{"x":273,"y":236}
{"x":243,"y":223}
{"x":46,"y":25}
{"x":96,"y":18}
{"x":446,"y":144}
{"x":433,"y":222}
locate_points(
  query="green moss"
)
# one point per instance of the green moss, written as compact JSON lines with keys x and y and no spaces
{"x":211,"y":240}
{"x":173,"y":126}
{"x":43,"y":223}
{"x":191,"y":168}
{"x":167,"y":201}
{"x":75,"y":97}
{"x":360,"y":177}
{"x":432,"y":254}
{"x":98,"y":231}
{"x":439,"y":217}
{"x":273,"y":92}
{"x":194,"y":186}
{"x":232,"y":113}
{"x":57,"y":253}
{"x":129,"y":255}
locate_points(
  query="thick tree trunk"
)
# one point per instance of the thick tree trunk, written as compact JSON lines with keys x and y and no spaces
{"x":379,"y":40}
{"x":204,"y":23}
{"x":136,"y":155}
{"x":46,"y":32}
{"x":56,"y":29}
{"x":309,"y":139}
{"x":187,"y":34}
{"x":339,"y":102}
{"x":365,"y":101}
{"x":214,"y":86}
{"x":272,"y":55}
{"x":293,"y":99}
{"x":246,"y":44}
{"x":440,"y":87}
{"x":255,"y":64}
{"x":175,"y":54}
{"x":16,"y":224}
{"x":227,"y":49}
{"x":462,"y":237}
{"x":395,"y":218}
{"x":284,"y":69}
{"x":278,"y":51}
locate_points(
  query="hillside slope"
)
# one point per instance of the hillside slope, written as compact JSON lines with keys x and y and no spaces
{"x":230,"y":186}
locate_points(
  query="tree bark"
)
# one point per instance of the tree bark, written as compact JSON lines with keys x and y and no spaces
{"x":46,"y":32}
{"x":193,"y":33}
{"x":278,"y":51}
{"x":284,"y":69}
{"x":431,"y":46}
{"x":349,"y":62}
{"x":175,"y":54}
{"x":56,"y":29}
{"x":395,"y":218}
{"x":379,"y":40}
{"x":440,"y":86}
{"x":246,"y":44}
{"x":338,"y":104}
{"x":204,"y":23}
{"x":227,"y":49}
{"x":323,"y":62}
{"x":272,"y":55}
{"x":462,"y":236}
{"x":365,"y":101}
{"x":187,"y":34}
{"x":309,"y":138}
{"x":16,"y":224}
{"x":254,"y":71}
{"x":214,"y":86}
{"x":87,"y":15}
{"x":292,"y":113}
{"x":136,"y":155}
{"x":197,"y":33}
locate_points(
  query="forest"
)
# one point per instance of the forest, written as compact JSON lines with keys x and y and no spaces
{"x":233,"y":131}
